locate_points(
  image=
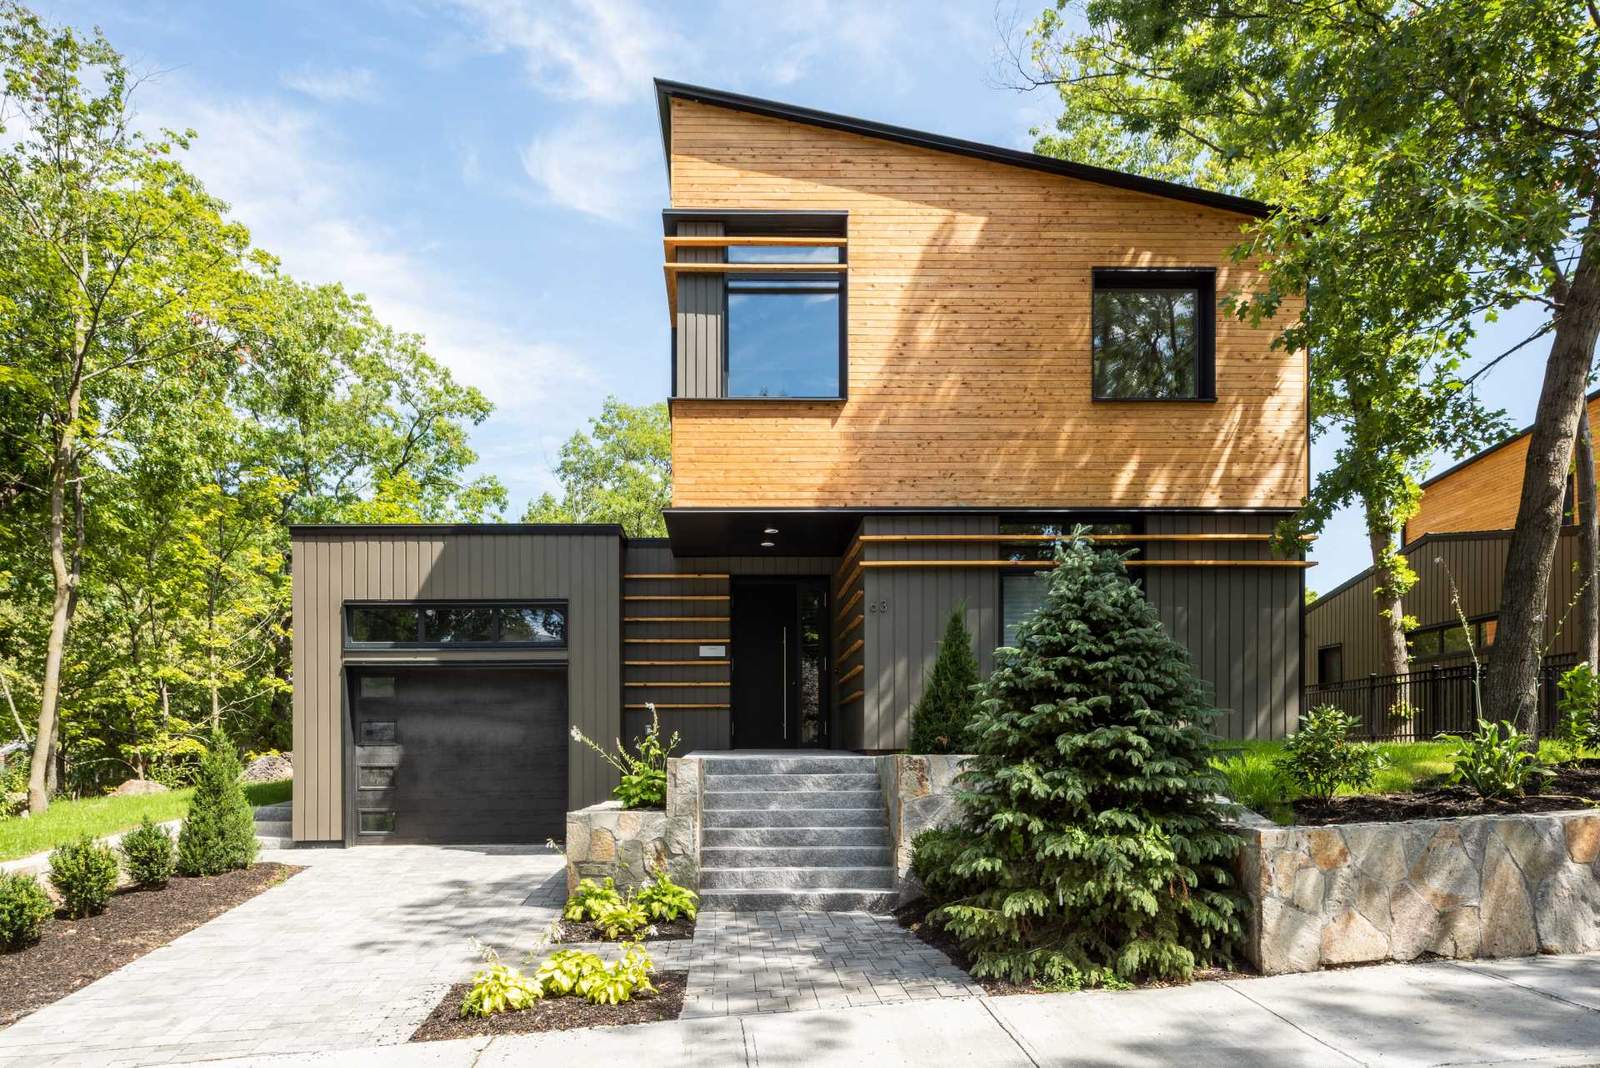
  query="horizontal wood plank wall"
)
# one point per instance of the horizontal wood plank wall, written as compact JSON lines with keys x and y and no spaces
{"x":699,"y":320}
{"x":1241,"y":625}
{"x":1481,"y":495}
{"x":1347,"y":617}
{"x":699,"y":728}
{"x":907,"y":610}
{"x":969,"y":340}
{"x":331,"y":568}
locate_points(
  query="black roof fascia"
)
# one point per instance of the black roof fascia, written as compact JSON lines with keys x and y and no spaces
{"x":666,"y":90}
{"x":612,"y":529}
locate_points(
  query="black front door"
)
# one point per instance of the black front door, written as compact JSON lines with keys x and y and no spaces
{"x":780,"y":664}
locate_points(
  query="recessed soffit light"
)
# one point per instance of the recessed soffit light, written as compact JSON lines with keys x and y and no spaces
{"x":768,"y":544}
{"x":770,"y":530}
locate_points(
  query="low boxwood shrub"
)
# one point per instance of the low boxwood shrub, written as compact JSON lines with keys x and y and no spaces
{"x":149,"y":855}
{"x":24,"y":908}
{"x":84,"y":873}
{"x":219,"y":832}
{"x":1320,"y":757}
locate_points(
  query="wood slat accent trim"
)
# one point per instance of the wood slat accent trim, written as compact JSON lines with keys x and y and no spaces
{"x":671,"y":575}
{"x":852,"y":552}
{"x":848,"y":675}
{"x":851,"y":603}
{"x":850,"y":579}
{"x":756,"y":268}
{"x":1002,"y":538}
{"x":676,"y":597}
{"x":678,"y":641}
{"x":851,"y":648}
{"x":746,"y":239}
{"x":858,"y":695}
{"x":852,"y":625}
{"x":1045,"y":565}
{"x":676,"y":619}
{"x":662,"y":704}
{"x":675,"y":663}
{"x":675,"y":685}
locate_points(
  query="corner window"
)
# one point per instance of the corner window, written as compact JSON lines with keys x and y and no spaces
{"x":1154,"y":335}
{"x":447,"y":625}
{"x":785,"y":330}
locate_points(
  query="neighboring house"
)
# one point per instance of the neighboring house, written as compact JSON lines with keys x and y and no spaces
{"x":1460,"y":534}
{"x":901,"y":364}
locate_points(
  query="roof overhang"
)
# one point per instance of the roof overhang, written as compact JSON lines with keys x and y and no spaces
{"x":666,"y":91}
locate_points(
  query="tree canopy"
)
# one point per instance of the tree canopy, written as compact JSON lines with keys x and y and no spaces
{"x":618,"y":472}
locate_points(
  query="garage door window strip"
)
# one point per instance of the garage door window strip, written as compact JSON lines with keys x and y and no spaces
{"x":524,"y":625}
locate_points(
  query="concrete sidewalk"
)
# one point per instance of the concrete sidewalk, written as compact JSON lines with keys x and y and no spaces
{"x":1528,"y":1011}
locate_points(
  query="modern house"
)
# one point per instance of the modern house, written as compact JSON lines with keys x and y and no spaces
{"x":901,"y":364}
{"x":1456,"y":543}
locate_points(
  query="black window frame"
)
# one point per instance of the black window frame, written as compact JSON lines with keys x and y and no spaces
{"x":841,"y":278}
{"x":1066,"y":522}
{"x":1337,"y":648}
{"x":422,"y":607}
{"x":1437,"y":632}
{"x":1202,"y":279}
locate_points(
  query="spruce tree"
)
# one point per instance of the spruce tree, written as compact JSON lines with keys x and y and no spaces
{"x":1089,"y":849}
{"x":219,"y":832}
{"x":939,"y":722}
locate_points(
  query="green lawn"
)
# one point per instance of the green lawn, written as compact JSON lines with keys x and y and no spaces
{"x":66,"y":820}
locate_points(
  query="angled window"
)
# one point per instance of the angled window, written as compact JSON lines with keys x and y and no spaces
{"x":454,"y":625}
{"x":785,"y":330}
{"x":1154,"y":335}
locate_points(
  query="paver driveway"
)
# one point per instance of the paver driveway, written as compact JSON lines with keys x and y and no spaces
{"x":354,"y":951}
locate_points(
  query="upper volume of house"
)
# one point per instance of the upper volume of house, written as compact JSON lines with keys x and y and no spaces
{"x":871,"y":317}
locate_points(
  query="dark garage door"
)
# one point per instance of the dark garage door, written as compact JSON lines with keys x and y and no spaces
{"x":460,"y":754}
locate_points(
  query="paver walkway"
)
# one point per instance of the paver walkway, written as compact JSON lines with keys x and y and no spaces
{"x":354,"y":951}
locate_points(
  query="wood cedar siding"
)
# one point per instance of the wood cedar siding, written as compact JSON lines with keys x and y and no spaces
{"x":698,"y":341}
{"x":1348,"y":617}
{"x":330,"y":568}
{"x":1480,"y":494}
{"x":969,"y":357}
{"x":700,"y":728}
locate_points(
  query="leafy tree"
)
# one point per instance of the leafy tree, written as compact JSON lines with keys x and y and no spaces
{"x":1388,"y":383}
{"x":1089,"y":849}
{"x":218,"y":833}
{"x":939,"y":721}
{"x":619,"y":472}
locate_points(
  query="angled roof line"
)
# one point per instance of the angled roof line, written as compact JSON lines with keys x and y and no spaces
{"x":1411,"y":547}
{"x":1496,"y":447}
{"x":666,"y":90}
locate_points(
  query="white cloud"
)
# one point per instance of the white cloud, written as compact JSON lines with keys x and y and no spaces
{"x":600,"y":51}
{"x":592,"y":170}
{"x":355,"y":83}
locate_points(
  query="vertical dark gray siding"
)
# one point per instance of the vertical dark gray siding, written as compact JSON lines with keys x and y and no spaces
{"x":699,"y":318}
{"x":330,"y":568}
{"x":1347,"y":616}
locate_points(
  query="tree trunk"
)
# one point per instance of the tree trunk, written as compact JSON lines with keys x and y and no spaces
{"x":1588,"y":545}
{"x":1511,"y":686}
{"x":1388,"y":592}
{"x":65,"y":575}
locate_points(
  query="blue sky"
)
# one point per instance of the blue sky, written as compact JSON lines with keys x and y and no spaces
{"x":489,"y":172}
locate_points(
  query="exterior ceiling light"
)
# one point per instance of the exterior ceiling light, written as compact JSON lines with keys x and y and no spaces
{"x":768,"y":544}
{"x":770,"y":530}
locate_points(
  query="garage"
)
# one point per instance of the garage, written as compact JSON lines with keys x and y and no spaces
{"x":471,"y":754}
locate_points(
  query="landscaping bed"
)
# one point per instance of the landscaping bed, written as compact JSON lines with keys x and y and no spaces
{"x":584,"y":931}
{"x":553,"y":1013}
{"x":74,"y":953}
{"x":1568,"y":787}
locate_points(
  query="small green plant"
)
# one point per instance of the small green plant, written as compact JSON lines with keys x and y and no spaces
{"x":148,"y":854}
{"x":1254,"y":780}
{"x":1498,"y":762}
{"x":499,"y":988}
{"x":939,"y":720}
{"x":564,"y":969}
{"x":84,"y":873}
{"x":621,"y":919}
{"x":24,"y":908}
{"x":589,"y":897}
{"x":665,"y":900}
{"x":219,"y":832}
{"x":1579,"y":707}
{"x":1320,"y":757}
{"x":575,"y":972}
{"x":644,"y":771}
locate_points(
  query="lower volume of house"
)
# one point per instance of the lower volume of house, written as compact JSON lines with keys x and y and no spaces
{"x":441,"y":672}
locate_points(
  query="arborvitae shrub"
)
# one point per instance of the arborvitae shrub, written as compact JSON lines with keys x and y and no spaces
{"x":1089,"y":850}
{"x":84,"y":873}
{"x":148,"y":854}
{"x":219,"y":832}
{"x":939,"y":721}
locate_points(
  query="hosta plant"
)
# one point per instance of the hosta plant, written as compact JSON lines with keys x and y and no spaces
{"x":562,"y":971}
{"x":580,"y":974}
{"x":621,"y":919}
{"x":1498,"y":763}
{"x":500,"y":988}
{"x":589,"y":897}
{"x":665,"y":900}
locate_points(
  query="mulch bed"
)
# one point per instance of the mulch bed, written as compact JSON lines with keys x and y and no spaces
{"x":913,"y":916}
{"x":1570,"y":788}
{"x":553,"y":1014}
{"x":71,"y":954}
{"x":583,"y":931}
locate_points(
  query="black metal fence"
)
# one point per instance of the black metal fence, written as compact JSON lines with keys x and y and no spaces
{"x":1418,"y":705}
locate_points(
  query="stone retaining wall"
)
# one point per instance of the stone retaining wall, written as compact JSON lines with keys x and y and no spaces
{"x":919,"y":792}
{"x":631,"y":845}
{"x":1478,"y":886}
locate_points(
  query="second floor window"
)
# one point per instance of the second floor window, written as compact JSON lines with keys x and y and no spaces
{"x":1154,"y":335}
{"x":785,"y":331}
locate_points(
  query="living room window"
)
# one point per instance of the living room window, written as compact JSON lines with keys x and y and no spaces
{"x":1154,"y":335}
{"x":785,"y":330}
